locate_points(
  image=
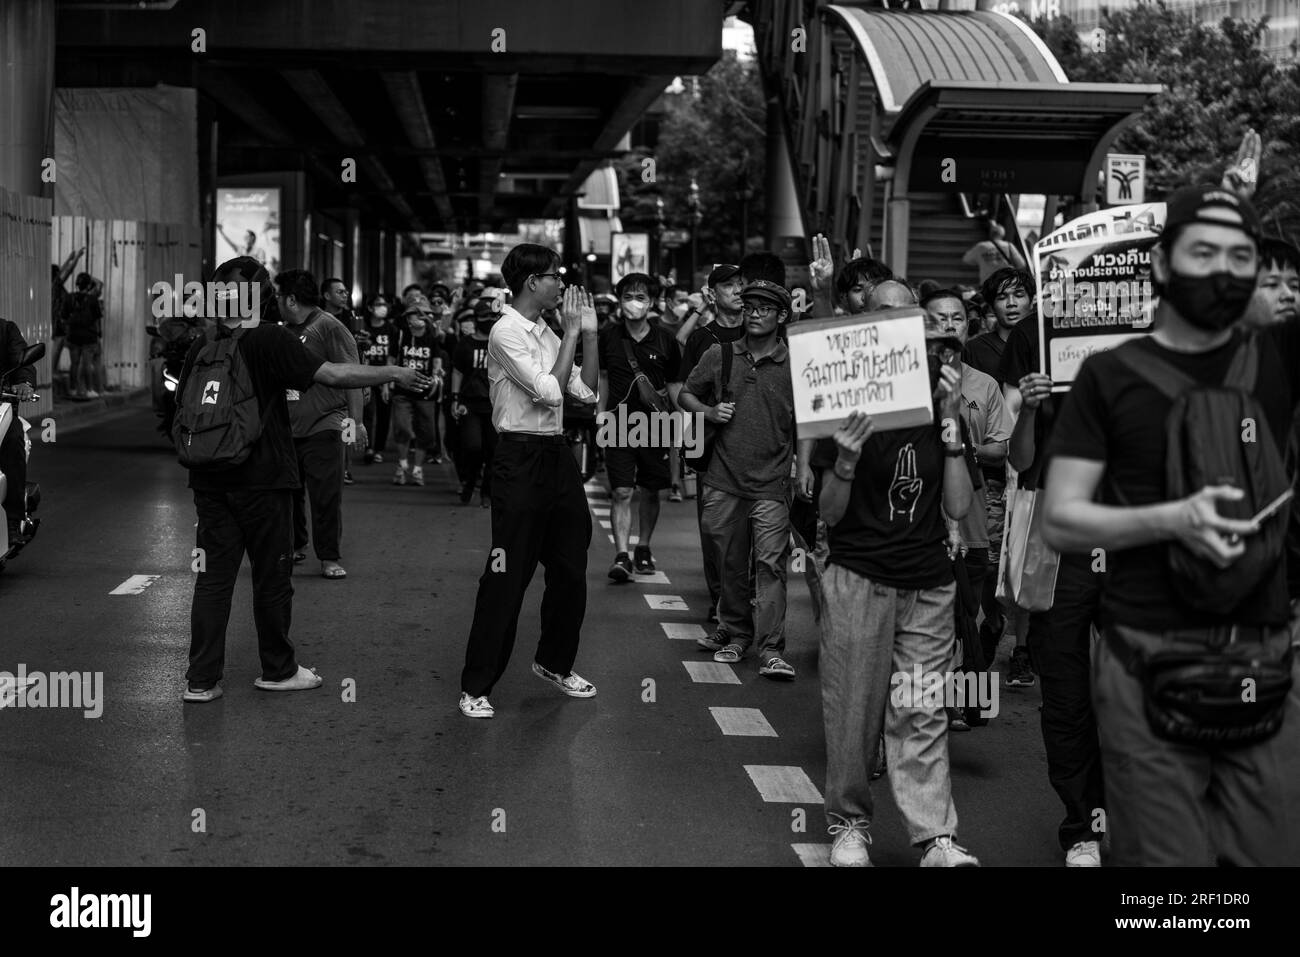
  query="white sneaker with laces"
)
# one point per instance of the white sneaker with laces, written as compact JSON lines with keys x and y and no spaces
{"x":574,"y":685}
{"x":943,"y":852}
{"x":851,"y":840}
{"x":1084,"y":854}
{"x":475,"y":707}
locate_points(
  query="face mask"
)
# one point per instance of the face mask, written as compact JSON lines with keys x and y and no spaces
{"x":483,"y":328}
{"x":1212,"y":302}
{"x":635,"y":310}
{"x":381,"y":312}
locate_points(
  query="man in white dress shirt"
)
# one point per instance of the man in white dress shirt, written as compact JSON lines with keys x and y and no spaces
{"x":539,"y":510}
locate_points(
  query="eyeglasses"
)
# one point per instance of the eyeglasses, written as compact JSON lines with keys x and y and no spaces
{"x":763,"y":311}
{"x":543,"y":275}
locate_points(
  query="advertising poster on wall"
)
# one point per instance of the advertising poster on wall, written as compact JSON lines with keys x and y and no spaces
{"x":1094,"y":286}
{"x":248,"y":224}
{"x":629,"y":253}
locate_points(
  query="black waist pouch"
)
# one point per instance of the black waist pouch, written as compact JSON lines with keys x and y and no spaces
{"x":1214,"y":698}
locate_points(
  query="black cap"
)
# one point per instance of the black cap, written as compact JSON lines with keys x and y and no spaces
{"x":772,"y":292}
{"x":722,"y":273}
{"x":1189,"y":204}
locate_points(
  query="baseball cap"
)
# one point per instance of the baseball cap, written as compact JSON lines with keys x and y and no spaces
{"x":722,"y":273}
{"x":768,"y":291}
{"x":1189,"y":205}
{"x":418,"y":308}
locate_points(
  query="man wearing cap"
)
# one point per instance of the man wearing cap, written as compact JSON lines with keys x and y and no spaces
{"x":746,"y":487}
{"x":727,"y":326}
{"x":1175,"y":803}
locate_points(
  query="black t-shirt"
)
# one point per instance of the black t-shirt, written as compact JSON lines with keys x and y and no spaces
{"x":1020,"y":359}
{"x":419,"y":353}
{"x":893,"y":531}
{"x":381,"y":340}
{"x":470,"y":360}
{"x":698,"y":342}
{"x":1113,"y":415}
{"x":276,"y":361}
{"x":984,"y":353}
{"x":657,"y":354}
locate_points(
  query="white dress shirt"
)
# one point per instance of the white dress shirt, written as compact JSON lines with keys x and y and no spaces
{"x":525,"y":396}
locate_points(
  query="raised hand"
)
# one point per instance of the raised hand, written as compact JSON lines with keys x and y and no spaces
{"x":571,"y":311}
{"x":822,"y":268}
{"x":1243,"y":175}
{"x":587,"y":306}
{"x":852,"y":436}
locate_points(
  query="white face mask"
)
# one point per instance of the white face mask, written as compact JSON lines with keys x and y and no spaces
{"x":381,"y":312}
{"x":635,"y":309}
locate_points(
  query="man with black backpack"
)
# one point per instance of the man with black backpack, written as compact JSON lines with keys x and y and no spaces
{"x":232,"y":432}
{"x":1166,"y":463}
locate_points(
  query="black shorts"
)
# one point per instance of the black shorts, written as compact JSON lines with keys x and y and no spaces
{"x":645,"y":468}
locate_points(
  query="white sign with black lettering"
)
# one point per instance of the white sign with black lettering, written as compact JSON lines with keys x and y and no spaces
{"x":873,"y":363}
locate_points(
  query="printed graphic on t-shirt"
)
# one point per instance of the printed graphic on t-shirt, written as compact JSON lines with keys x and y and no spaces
{"x":378,"y":349}
{"x":905,"y":489}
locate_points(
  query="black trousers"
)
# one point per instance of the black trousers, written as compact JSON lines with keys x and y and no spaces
{"x":1061,"y":645}
{"x":13,"y":463}
{"x":376,"y":417}
{"x":230,"y":525}
{"x":539,"y":513}
{"x":320,"y":467}
{"x":475,"y":448}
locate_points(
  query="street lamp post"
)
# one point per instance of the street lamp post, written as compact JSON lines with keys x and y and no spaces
{"x":659,"y":236}
{"x":693,"y":201}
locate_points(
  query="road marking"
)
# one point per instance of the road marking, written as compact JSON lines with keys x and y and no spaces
{"x":654,"y":578}
{"x":711,"y":672}
{"x":743,"y":722}
{"x":779,"y":784}
{"x":135,"y":585}
{"x":598,"y":510}
{"x":667,"y":603}
{"x":610,"y":537}
{"x":605,"y":524}
{"x":813,"y":855}
{"x":682,"y":631}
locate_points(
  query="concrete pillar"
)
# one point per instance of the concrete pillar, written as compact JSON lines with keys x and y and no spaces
{"x":26,"y":94}
{"x":785,"y":231}
{"x":897,"y":228}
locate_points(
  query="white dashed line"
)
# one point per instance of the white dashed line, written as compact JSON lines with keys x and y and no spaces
{"x":654,"y":578}
{"x":598,"y":510}
{"x":813,"y":855}
{"x":743,"y":722}
{"x":778,"y":784}
{"x":604,"y":524}
{"x":682,"y":631}
{"x":667,"y":603}
{"x":711,"y":673}
{"x":135,"y":585}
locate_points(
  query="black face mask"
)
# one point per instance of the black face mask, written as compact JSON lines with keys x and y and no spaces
{"x":1212,"y":302}
{"x":483,"y":328}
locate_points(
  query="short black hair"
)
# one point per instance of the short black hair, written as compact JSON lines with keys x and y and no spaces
{"x":527,"y":259}
{"x":414,"y":285}
{"x":763,"y":265}
{"x":300,"y":284}
{"x":325,"y":284}
{"x":84,"y":280}
{"x":941,"y":293}
{"x":865,"y":270}
{"x":638,"y":280}
{"x":1278,"y":254}
{"x":1000,"y":279}
{"x":373,"y":298}
{"x":927,"y":286}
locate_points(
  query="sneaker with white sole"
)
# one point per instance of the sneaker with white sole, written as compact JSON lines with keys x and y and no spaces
{"x":417,"y":476}
{"x":1084,"y":854}
{"x":475,"y":707}
{"x":944,"y":852}
{"x":851,"y":839}
{"x":201,"y":695}
{"x":399,"y":476}
{"x":304,"y":680}
{"x":572,"y":684}
{"x":776,"y":667}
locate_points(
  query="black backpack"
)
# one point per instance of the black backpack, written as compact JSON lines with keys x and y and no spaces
{"x":711,"y":431}
{"x":80,"y":319}
{"x":218,"y":418}
{"x":1206,"y":446}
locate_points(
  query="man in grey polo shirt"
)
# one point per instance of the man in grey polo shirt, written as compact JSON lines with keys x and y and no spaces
{"x":746,"y":488}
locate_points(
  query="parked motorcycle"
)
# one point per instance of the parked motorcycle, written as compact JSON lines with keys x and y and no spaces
{"x":9,"y":419}
{"x":171,"y":343}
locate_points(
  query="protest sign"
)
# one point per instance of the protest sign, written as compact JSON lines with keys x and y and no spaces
{"x":1094,"y":286}
{"x":873,"y":363}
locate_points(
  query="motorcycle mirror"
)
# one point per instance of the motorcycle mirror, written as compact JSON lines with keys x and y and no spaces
{"x":32,"y":355}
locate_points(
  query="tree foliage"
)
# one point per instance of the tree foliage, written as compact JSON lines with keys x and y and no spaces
{"x":1218,"y":83}
{"x":715,"y":136}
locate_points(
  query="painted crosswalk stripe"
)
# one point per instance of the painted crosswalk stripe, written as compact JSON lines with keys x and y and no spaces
{"x":611,"y":538}
{"x":782,"y":784}
{"x":682,"y":630}
{"x":135,"y":585}
{"x":743,"y":722}
{"x":667,"y":603}
{"x":605,"y":524}
{"x":597,"y":510}
{"x":711,"y":673}
{"x":654,"y":578}
{"x":813,"y":855}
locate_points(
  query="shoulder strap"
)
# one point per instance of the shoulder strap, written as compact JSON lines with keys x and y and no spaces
{"x":631,"y":355}
{"x":728,"y":352}
{"x":1244,"y":368}
{"x":1169,"y":380}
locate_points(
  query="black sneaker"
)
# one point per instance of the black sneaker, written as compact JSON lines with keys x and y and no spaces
{"x":621,"y":570}
{"x":347,"y":479}
{"x":1020,"y":674}
{"x":643,"y":560}
{"x":466,"y":493}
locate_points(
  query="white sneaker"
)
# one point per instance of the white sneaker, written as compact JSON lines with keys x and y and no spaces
{"x":1084,"y":854}
{"x":942,"y":852}
{"x":303,"y":680}
{"x":92,"y":394}
{"x":851,"y":840}
{"x":417,"y":476}
{"x":475,"y":707}
{"x":574,"y":685}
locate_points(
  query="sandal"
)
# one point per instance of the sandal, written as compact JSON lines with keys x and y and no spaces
{"x":729,"y":654}
{"x":299,"y":557}
{"x":335,"y":572}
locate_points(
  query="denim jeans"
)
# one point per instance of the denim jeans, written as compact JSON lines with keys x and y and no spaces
{"x":870,"y":632}
{"x":734,"y":527}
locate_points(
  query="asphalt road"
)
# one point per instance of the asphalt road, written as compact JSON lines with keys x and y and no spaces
{"x":642,"y":774}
